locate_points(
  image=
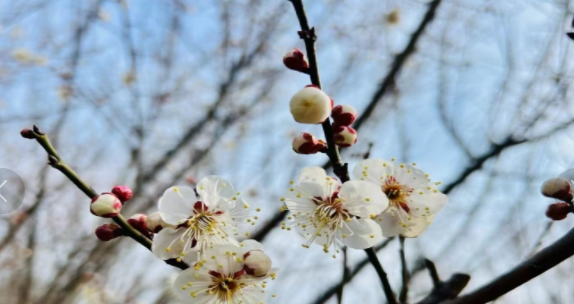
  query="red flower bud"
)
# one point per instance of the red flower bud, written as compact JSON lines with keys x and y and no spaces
{"x":558,"y":211}
{"x":124,"y":193}
{"x":343,"y":115}
{"x":139,"y":222}
{"x":108,"y":232}
{"x":27,"y":133}
{"x":344,"y":136}
{"x":295,"y":60}
{"x":306,"y":143}
{"x":558,"y":188}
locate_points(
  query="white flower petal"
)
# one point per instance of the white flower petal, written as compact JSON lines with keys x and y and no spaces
{"x":314,"y":189}
{"x":234,"y":214}
{"x":251,"y":245}
{"x":390,"y":226}
{"x":215,"y":190}
{"x":221,"y":258}
{"x":411,"y":176}
{"x":192,"y":281}
{"x":428,"y":203}
{"x":300,"y":198}
{"x":372,"y":170}
{"x":417,"y":226}
{"x":363,"y":199}
{"x":316,"y":175}
{"x":361,"y":234}
{"x":168,"y":238}
{"x":176,"y":204}
{"x":192,"y":255}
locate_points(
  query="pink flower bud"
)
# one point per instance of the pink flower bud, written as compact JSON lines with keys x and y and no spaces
{"x":256,"y":263}
{"x":295,"y":60}
{"x":558,"y":211}
{"x":344,"y":136}
{"x":343,"y":115}
{"x":139,"y":222}
{"x":108,"y":232}
{"x":124,"y":193}
{"x":558,"y":188}
{"x":310,"y":106}
{"x":105,"y":205}
{"x":154,"y":222}
{"x":306,"y":143}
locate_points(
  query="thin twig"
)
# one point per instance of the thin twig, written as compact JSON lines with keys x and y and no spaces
{"x":358,"y":267}
{"x":382,"y":274}
{"x":309,"y":37}
{"x":432,"y":272}
{"x":403,"y":296}
{"x":346,"y":272}
{"x":443,"y":290}
{"x":56,"y":161}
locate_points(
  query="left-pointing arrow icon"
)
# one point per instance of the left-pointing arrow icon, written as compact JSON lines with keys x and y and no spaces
{"x":12,"y":191}
{"x":4,"y":183}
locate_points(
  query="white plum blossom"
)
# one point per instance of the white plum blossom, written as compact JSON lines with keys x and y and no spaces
{"x":413,"y":201}
{"x":197,"y":223}
{"x":221,"y":277}
{"x":323,"y":210}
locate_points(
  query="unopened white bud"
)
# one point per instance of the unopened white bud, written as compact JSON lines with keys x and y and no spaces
{"x":256,"y":263}
{"x":557,"y":188}
{"x":153,"y":222}
{"x":105,"y":205}
{"x":310,"y":105}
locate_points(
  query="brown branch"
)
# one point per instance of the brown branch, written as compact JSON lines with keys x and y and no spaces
{"x":309,"y":37}
{"x":444,"y":290}
{"x":544,"y":260}
{"x":333,"y":289}
{"x":57,"y":163}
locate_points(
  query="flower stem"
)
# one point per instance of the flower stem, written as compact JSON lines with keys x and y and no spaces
{"x":309,"y":37}
{"x":372,"y":255}
{"x":57,"y":163}
{"x":55,"y":160}
{"x":403,"y":296}
{"x":339,"y":168}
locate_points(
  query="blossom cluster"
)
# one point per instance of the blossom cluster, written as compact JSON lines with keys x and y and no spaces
{"x":200,"y":227}
{"x":383,"y":200}
{"x":312,"y":106}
